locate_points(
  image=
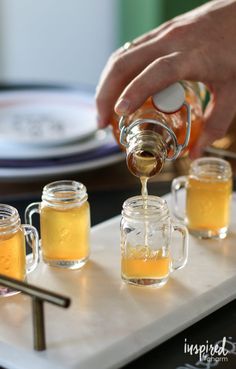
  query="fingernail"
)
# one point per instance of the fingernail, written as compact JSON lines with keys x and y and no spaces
{"x":122,"y":106}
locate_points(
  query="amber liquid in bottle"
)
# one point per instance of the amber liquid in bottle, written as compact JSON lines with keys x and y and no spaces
{"x":144,"y":165}
{"x":176,"y":121}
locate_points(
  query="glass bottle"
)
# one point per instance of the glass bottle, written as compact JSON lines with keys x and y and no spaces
{"x":148,"y":255}
{"x":64,"y":224}
{"x":164,"y":127}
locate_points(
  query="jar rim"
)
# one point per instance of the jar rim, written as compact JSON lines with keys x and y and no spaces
{"x":211,"y":166}
{"x":134,"y":207}
{"x":69,"y":191}
{"x":9,"y":218}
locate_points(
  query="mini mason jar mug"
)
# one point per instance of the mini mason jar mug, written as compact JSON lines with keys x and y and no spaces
{"x":208,"y":196}
{"x":147,"y":254}
{"x":13,"y":261}
{"x":64,"y":224}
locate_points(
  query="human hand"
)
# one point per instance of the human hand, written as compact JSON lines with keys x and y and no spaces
{"x":196,"y":46}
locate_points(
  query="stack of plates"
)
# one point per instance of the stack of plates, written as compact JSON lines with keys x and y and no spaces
{"x":45,"y":132}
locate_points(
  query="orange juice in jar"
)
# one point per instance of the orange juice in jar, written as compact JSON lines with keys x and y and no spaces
{"x":208,"y":203}
{"x":64,"y":224}
{"x":208,"y":197}
{"x":146,"y":250}
{"x":12,"y":255}
{"x":140,"y":262}
{"x":13,"y":261}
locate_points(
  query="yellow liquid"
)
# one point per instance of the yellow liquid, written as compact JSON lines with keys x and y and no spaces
{"x":144,"y":193}
{"x":208,"y":204}
{"x":65,"y":233}
{"x":142,"y":262}
{"x":13,"y":255}
{"x":143,"y":164}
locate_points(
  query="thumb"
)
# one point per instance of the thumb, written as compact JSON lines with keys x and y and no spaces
{"x":218,"y":116}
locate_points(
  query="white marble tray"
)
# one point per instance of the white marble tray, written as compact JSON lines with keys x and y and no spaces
{"x":110,"y":323}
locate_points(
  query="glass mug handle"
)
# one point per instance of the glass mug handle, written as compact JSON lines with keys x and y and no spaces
{"x":32,"y":238}
{"x":31,"y":209}
{"x":177,"y":184}
{"x":182,"y":260}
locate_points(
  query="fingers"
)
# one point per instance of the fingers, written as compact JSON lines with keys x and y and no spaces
{"x":150,"y":66}
{"x":218,"y":117}
{"x":158,"y":75}
{"x":120,"y":70}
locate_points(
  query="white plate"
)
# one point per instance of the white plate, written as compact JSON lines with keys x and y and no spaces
{"x":31,"y":174}
{"x":13,"y":151}
{"x":44,"y":117}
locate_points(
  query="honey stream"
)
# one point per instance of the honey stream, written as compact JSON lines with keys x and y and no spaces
{"x":144,"y":193}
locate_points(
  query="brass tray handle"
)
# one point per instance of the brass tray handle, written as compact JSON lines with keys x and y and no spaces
{"x":39,"y":296}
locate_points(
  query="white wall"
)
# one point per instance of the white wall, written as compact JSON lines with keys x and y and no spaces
{"x":64,"y":41}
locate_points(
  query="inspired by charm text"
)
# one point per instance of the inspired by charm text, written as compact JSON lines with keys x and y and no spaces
{"x":205,"y":349}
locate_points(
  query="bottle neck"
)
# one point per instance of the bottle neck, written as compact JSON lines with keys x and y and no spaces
{"x":9,"y":219}
{"x":64,"y":193}
{"x":154,"y":209}
{"x":146,"y":153}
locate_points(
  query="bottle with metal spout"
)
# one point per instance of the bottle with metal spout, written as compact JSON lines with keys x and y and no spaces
{"x":163,"y":128}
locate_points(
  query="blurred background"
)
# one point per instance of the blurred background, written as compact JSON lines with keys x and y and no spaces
{"x":69,"y":41}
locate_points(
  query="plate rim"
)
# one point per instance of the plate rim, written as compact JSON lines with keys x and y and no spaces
{"x":65,"y":92}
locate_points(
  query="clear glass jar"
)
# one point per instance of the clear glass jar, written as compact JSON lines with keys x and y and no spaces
{"x":164,"y":127}
{"x":147,"y":256}
{"x":64,"y":224}
{"x":13,"y":262}
{"x":208,"y":197}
